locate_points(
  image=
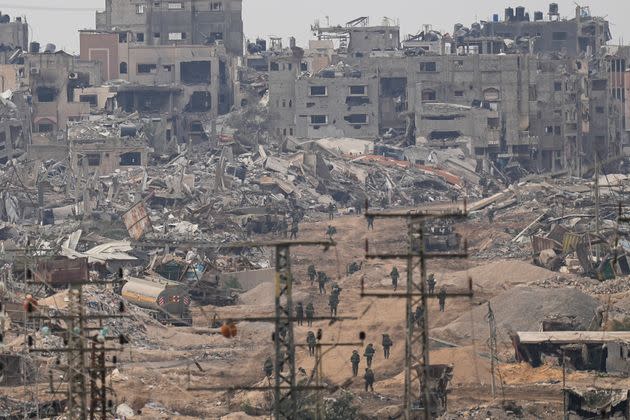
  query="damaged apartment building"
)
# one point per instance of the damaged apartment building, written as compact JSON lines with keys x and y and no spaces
{"x":51,"y":77}
{"x":185,"y":84}
{"x":547,"y":93}
{"x":176,"y":22}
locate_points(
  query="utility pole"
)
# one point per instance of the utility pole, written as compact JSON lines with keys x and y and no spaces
{"x":285,"y":387}
{"x":492,"y":343}
{"x":417,"y":339}
{"x":82,"y":403}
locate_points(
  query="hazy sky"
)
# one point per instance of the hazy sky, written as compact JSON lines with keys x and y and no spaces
{"x":58,"y":22}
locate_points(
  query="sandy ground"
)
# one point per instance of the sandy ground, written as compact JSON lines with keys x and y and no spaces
{"x":159,"y":381}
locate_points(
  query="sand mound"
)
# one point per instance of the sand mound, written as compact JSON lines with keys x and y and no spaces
{"x":264,"y":295}
{"x":496,"y":276}
{"x":521,"y":309}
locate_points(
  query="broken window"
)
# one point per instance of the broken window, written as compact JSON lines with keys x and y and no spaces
{"x":140,"y":37}
{"x":123,"y":68}
{"x":284,"y":103}
{"x":444,"y":135}
{"x":195,"y":72}
{"x":493,"y":123}
{"x":318,"y":91}
{"x":557,"y":130}
{"x":290,"y":131}
{"x":549,"y":129}
{"x":45,"y":127}
{"x":274,"y":66}
{"x":130,"y":159}
{"x":216,"y":6}
{"x":358,"y":90}
{"x":557,"y":86}
{"x":599,"y":85}
{"x":140,"y":9}
{"x":319,"y":119}
{"x":93,"y":159}
{"x":175,"y":5}
{"x":357,"y":100}
{"x":491,"y":94}
{"x":428,"y":95}
{"x":290,"y":103}
{"x":147,"y":68}
{"x":156,"y":34}
{"x":196,"y":127}
{"x":429,"y":66}
{"x":459,"y":64}
{"x":91,"y":99}
{"x":303,"y":67}
{"x":357,"y":119}
{"x":310,"y":104}
{"x":46,"y":94}
{"x":168,"y":68}
{"x":559,"y":36}
{"x":199,"y":102}
{"x":122,"y":37}
{"x":176,"y":36}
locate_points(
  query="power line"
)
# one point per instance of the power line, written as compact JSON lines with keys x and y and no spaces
{"x":51,"y":9}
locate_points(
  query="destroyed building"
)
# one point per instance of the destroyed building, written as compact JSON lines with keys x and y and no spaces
{"x":13,"y":34}
{"x":187,"y":83}
{"x":105,"y":148}
{"x":336,"y":102}
{"x":52,"y":77}
{"x":169,"y":22}
{"x":583,"y":34}
{"x":551,"y":111}
{"x":358,"y":38}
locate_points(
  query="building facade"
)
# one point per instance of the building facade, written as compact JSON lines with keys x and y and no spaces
{"x":171,"y":22}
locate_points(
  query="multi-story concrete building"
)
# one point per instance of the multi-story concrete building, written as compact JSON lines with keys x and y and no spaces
{"x":13,"y":34}
{"x":186,"y":84}
{"x":52,"y":78}
{"x":581,"y":34}
{"x":545,"y":92}
{"x":357,"y":37}
{"x":175,"y":22}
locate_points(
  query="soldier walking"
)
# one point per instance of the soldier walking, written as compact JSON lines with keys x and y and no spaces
{"x":442,"y":298}
{"x":369,"y":379}
{"x":322,"y":278}
{"x":331,"y":211}
{"x":268,"y":367}
{"x":369,"y":354}
{"x":312,"y":273}
{"x":431,"y":283}
{"x":310,"y":312}
{"x":355,"y":359}
{"x":387,"y":344}
{"x":333,"y":302}
{"x":299,"y":313}
{"x":395,"y":275}
{"x":311,"y":341}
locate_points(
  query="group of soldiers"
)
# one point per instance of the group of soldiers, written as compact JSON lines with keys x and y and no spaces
{"x":300,"y":312}
{"x":370,"y":351}
{"x":431,"y":282}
